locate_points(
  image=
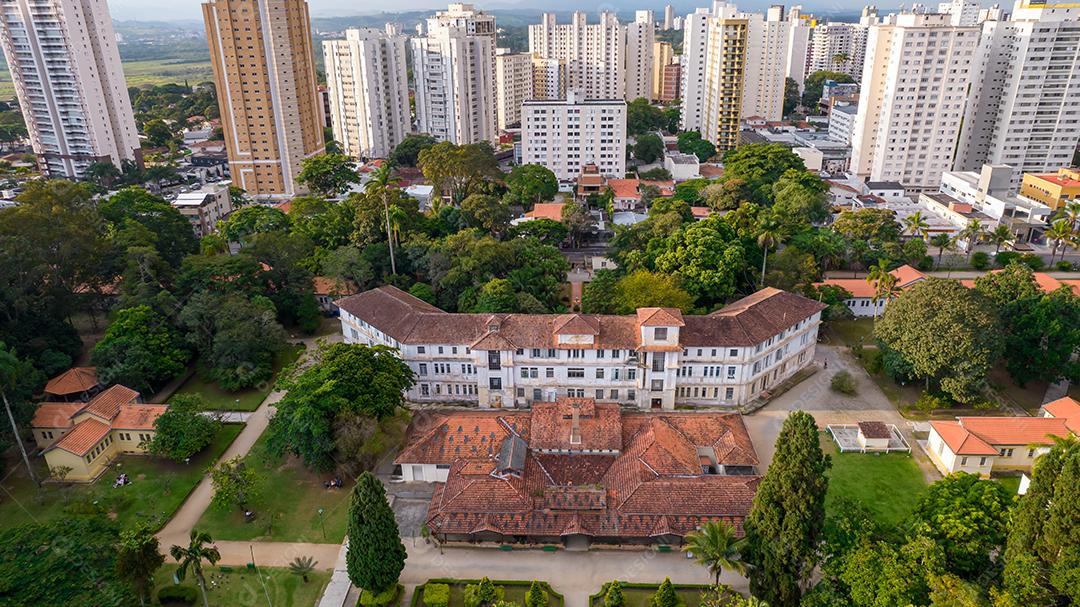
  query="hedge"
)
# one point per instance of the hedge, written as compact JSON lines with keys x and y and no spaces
{"x":555,"y":599}
{"x":178,"y":595}
{"x":598,"y":598}
{"x":436,"y":595}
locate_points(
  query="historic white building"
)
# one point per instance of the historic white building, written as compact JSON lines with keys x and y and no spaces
{"x":565,"y":135}
{"x":66,"y":69}
{"x":368,"y":91}
{"x":655,"y":359}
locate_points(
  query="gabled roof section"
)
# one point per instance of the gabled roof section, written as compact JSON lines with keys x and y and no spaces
{"x":138,"y":417}
{"x":82,"y":438}
{"x":906,"y":276}
{"x":960,"y":441}
{"x":75,"y":380}
{"x":1012,"y":431}
{"x":389,"y":309}
{"x":660,"y":317}
{"x":55,"y":415}
{"x":750,"y":320}
{"x":576,"y":324}
{"x":1066,"y":408}
{"x":107,"y":404}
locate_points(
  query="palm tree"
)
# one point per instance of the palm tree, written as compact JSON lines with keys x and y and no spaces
{"x":768,"y":237}
{"x":301,"y":566}
{"x":999,"y":236}
{"x":198,"y":550}
{"x":715,"y":546}
{"x":398,"y":217}
{"x":971,"y":233}
{"x":884,"y":283}
{"x":915,"y":224}
{"x":1071,"y":213}
{"x":381,"y":180}
{"x":942,"y":241}
{"x":1060,"y":232}
{"x":840,"y":59}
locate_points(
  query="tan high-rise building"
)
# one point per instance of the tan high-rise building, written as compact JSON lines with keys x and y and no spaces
{"x":264,"y":70}
{"x":513,"y":83}
{"x":662,"y":56}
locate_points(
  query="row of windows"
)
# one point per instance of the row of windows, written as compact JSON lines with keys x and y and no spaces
{"x":448,"y":389}
{"x":598,"y":394}
{"x":703,"y":392}
{"x":98,"y":450}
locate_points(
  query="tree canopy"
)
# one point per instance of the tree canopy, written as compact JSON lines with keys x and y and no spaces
{"x":376,"y":556}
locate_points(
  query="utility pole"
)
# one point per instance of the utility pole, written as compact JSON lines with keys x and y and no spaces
{"x":18,"y":441}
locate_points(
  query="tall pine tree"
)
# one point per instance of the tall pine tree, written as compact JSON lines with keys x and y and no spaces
{"x":786,"y":521}
{"x":376,"y":555}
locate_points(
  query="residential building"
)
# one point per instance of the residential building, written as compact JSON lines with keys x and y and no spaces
{"x":980,"y":445}
{"x":662,"y":56}
{"x":264,"y":74}
{"x":77,"y":384}
{"x":842,"y":122}
{"x":594,"y":53}
{"x":1025,"y":91}
{"x":672,"y":79}
{"x":961,"y":12}
{"x":655,"y":359}
{"x":66,"y":72}
{"x":368,"y":90}
{"x":987,"y":192}
{"x":715,"y":56}
{"x":798,"y":45}
{"x":682,"y":166}
{"x":86,"y":436}
{"x":577,"y":471}
{"x":1055,"y":190}
{"x":669,"y":17}
{"x":864,"y":300}
{"x":205,"y":207}
{"x":639,"y":69}
{"x":766,"y":64}
{"x":565,"y":135}
{"x":327,"y":290}
{"x":837,"y":47}
{"x":549,"y":78}
{"x":454,"y":68}
{"x":692,"y":64}
{"x":628,"y":194}
{"x":911,"y":103}
{"x":514,"y":84}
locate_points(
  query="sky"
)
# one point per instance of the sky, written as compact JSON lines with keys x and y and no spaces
{"x":171,"y":10}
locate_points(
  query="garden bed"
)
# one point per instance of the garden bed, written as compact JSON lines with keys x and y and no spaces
{"x":237,"y":586}
{"x":640,"y":595}
{"x":515,"y":592}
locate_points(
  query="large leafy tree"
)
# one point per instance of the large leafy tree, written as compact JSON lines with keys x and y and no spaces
{"x":341,"y":379}
{"x":376,"y":556}
{"x":966,"y":517}
{"x":948,"y":334}
{"x":183,"y":429}
{"x":140,"y":350}
{"x":407,"y":152}
{"x":326,"y":223}
{"x":690,"y":142}
{"x":287,"y":279}
{"x":138,"y":557}
{"x":487,"y":212}
{"x":244,"y":223}
{"x":648,"y":148}
{"x":760,"y":165}
{"x":170,"y":232}
{"x":786,"y":520}
{"x":880,"y":574}
{"x":800,"y":197}
{"x":868,"y":224}
{"x":529,"y":184}
{"x":791,"y":95}
{"x":1042,"y":556}
{"x":708,"y":256}
{"x":643,"y":117}
{"x":236,"y":484}
{"x":459,"y":170}
{"x":644,"y":289}
{"x":598,"y":295}
{"x":547,"y":231}
{"x":328,"y":174}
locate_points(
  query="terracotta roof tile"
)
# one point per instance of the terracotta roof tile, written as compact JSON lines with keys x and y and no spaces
{"x":599,"y":425}
{"x":82,"y":438}
{"x":73,"y":381}
{"x":547,"y":210}
{"x":1015,"y":430}
{"x":960,"y":441}
{"x":138,"y":417}
{"x":660,"y":317}
{"x":107,"y":404}
{"x":336,"y":287}
{"x":55,"y":415}
{"x":1065,"y":407}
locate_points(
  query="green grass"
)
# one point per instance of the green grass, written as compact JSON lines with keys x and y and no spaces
{"x":243,"y":587}
{"x":158,"y":488}
{"x":849,"y":332}
{"x":141,"y":73}
{"x":1029,"y":397}
{"x":1012,"y":483}
{"x":641,"y":595}
{"x":888,"y":485}
{"x":245,"y":400}
{"x":514,"y":592}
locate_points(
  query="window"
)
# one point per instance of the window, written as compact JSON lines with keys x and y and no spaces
{"x":1031,"y":452}
{"x":631,"y":373}
{"x":631,"y":395}
{"x":729,"y":393}
{"x":423,"y":368}
{"x":453,"y":350}
{"x":660,"y":333}
{"x":519,"y":352}
{"x":549,"y":372}
{"x":524,"y":372}
{"x":440,"y":349}
{"x":657,"y":385}
{"x":421,"y":349}
{"x":575,"y":373}
{"x":551,"y":353}
{"x":495,"y":383}
{"x":733,"y":352}
{"x":982,"y":461}
{"x":731,"y":372}
{"x":535,"y":352}
{"x":614,"y":395}
{"x":599,"y":353}
{"x":599,"y":374}
{"x":658,"y":361}
{"x":599,"y":395}
{"x":963,"y":461}
{"x":577,"y":354}
{"x":537,"y":394}
{"x":616,"y":353}
{"x":521,"y":392}
{"x":1006,"y":452}
{"x":534,"y":372}
{"x":493,"y":360}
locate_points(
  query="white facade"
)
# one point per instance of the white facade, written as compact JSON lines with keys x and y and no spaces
{"x":912,"y":99}
{"x":798,"y":46}
{"x":566,"y":135}
{"x":549,"y":78}
{"x":514,"y":82}
{"x":1025,"y":95}
{"x":961,"y":12}
{"x":669,"y":17}
{"x":205,"y":207}
{"x":639,"y":71}
{"x":368,"y":91}
{"x":693,"y":63}
{"x":594,"y":53}
{"x":842,"y":121}
{"x":766,"y":64}
{"x":454,"y":71}
{"x":831,"y":41}
{"x":66,"y":69}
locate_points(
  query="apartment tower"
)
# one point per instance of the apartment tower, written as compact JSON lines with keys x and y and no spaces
{"x":1025,"y":93}
{"x":264,"y":72}
{"x":915,"y":84}
{"x":514,"y":84}
{"x":454,"y":72}
{"x":566,"y":135}
{"x":66,"y":69}
{"x":640,"y":38}
{"x":662,"y":56}
{"x":368,"y":91}
{"x":593,"y":52}
{"x":714,"y":65}
{"x":766,"y":64}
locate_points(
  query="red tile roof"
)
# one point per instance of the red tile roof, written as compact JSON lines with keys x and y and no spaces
{"x":336,"y":287}
{"x":653,"y":486}
{"x":960,"y":441}
{"x":138,"y":417}
{"x":75,"y":380}
{"x":547,"y":210}
{"x":107,"y":404}
{"x":82,"y":438}
{"x":1015,"y":430}
{"x":860,"y":287}
{"x":1066,"y":408}
{"x":625,"y":188}
{"x":701,"y":212}
{"x":55,"y":415}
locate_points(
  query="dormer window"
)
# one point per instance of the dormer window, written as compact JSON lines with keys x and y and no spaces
{"x":660,"y":333}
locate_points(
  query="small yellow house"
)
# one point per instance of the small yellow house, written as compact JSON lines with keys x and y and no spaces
{"x":86,"y":437}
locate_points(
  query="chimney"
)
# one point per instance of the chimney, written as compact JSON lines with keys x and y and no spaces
{"x":575,"y":424}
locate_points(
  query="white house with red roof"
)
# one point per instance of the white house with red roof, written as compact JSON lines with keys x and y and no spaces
{"x":981,"y":444}
{"x":862,"y":303}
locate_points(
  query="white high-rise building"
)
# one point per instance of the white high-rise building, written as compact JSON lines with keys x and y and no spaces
{"x":564,"y":136}
{"x":961,"y":12}
{"x":454,"y":71}
{"x":592,"y":52}
{"x":669,"y":17}
{"x":549,"y":78}
{"x":766,"y":64}
{"x":368,"y":90}
{"x":911,"y":102}
{"x":1024,"y":107}
{"x":838,"y":47}
{"x":514,"y":82}
{"x":798,"y":46}
{"x":640,"y":37}
{"x":693,"y":61}
{"x":66,"y":69}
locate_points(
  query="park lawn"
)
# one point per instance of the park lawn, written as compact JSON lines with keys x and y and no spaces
{"x":218,"y":399}
{"x":689,"y":595}
{"x":1012,"y":483}
{"x":239,"y":586}
{"x":887,"y":484}
{"x":850,"y":332}
{"x":158,"y":488}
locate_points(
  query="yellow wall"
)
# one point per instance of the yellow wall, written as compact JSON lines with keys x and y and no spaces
{"x":119,"y":442}
{"x":47,"y":436}
{"x":1051,"y":194}
{"x":129,"y":441}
